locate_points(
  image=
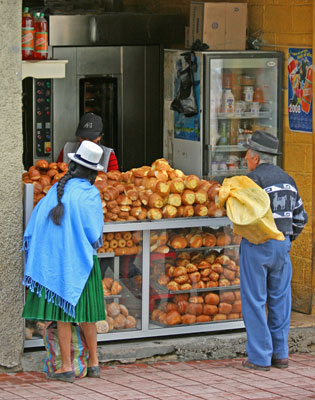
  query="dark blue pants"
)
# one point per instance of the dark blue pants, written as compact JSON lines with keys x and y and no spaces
{"x":266,"y":273}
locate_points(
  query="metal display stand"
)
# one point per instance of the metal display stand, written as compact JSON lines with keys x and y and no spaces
{"x":146,"y":328}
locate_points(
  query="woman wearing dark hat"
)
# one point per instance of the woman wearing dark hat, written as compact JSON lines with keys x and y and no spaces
{"x":90,"y":128}
{"x":266,"y":268}
{"x":61,"y":269}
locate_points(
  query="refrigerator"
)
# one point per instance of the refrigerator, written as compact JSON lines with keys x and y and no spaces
{"x":234,"y":93}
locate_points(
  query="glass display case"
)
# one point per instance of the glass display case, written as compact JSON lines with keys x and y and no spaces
{"x":195,"y":279}
{"x":136,"y":259}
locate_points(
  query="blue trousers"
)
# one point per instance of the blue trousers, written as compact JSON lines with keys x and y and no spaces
{"x":266,"y":273}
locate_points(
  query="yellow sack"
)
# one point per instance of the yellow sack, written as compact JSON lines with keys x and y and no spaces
{"x":248,"y":207}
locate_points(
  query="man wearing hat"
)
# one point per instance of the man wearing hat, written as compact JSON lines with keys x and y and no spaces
{"x":266,"y":268}
{"x":90,"y":128}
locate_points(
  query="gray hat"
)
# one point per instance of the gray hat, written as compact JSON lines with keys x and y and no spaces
{"x":263,"y":142}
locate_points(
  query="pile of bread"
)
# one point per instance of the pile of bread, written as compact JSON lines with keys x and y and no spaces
{"x":195,"y":270}
{"x":117,"y":317}
{"x":43,"y":175}
{"x":163,"y":241}
{"x":155,"y":192}
{"x":149,"y":192}
{"x":191,"y":309}
{"x":121,"y":243}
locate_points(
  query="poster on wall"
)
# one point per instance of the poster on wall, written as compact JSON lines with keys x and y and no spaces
{"x":187,"y":127}
{"x":300,"y":90}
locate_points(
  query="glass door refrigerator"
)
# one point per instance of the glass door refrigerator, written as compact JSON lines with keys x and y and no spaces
{"x":236,"y":93}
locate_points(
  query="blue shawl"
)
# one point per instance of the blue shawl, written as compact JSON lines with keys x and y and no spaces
{"x":59,"y":258}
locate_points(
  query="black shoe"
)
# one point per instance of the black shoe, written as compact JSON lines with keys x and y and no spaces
{"x":62,"y":376}
{"x":93,"y":372}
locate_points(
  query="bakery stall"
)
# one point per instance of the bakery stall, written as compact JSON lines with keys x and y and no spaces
{"x":169,"y":259}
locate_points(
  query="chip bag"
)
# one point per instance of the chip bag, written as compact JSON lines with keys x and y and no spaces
{"x":248,"y":207}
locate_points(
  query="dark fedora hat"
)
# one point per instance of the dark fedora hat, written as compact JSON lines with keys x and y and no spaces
{"x":263,"y":142}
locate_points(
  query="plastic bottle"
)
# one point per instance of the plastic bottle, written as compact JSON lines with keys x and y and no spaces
{"x":41,"y":38}
{"x":228,"y":102}
{"x":27,"y":35}
{"x":223,"y":139}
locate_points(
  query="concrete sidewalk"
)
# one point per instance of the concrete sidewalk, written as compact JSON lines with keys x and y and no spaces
{"x":192,"y":380}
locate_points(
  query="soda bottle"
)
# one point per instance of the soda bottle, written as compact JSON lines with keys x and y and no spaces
{"x":27,"y":35}
{"x":41,"y":38}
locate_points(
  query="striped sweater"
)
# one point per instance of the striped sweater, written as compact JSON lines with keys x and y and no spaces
{"x":285,"y":203}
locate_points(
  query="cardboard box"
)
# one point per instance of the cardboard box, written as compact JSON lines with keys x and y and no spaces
{"x":222,"y":26}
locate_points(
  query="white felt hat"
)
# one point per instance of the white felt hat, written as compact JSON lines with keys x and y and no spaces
{"x":88,"y":155}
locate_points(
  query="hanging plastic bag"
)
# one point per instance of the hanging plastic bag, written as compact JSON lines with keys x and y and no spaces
{"x":248,"y":207}
{"x":185,"y":101}
{"x":79,"y":350}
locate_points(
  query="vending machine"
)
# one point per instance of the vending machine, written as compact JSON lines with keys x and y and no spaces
{"x":234,"y":94}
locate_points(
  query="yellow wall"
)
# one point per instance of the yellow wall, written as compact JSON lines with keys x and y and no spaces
{"x":285,"y":23}
{"x":289,"y":23}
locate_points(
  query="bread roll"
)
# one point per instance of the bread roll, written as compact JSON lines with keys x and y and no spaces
{"x":213,"y":192}
{"x":209,"y":240}
{"x":233,"y":316}
{"x":199,"y":285}
{"x":182,"y":306}
{"x":124,"y":310}
{"x":188,"y":211}
{"x":200,"y":210}
{"x":102,"y":326}
{"x":196,"y":299}
{"x":219,"y":317}
{"x":201,"y":197}
{"x":185,"y":286}
{"x":176,"y":173}
{"x":204,"y":265}
{"x":188,"y":197}
{"x":192,"y":182}
{"x":195,"y":309}
{"x":195,"y":241}
{"x":177,"y":186}
{"x":170,"y":307}
{"x":108,"y":282}
{"x":218,"y":268}
{"x":227,"y":297}
{"x":119,"y":321}
{"x":212,"y":284}
{"x":113,"y":309}
{"x":155,"y":201}
{"x":169,"y":211}
{"x":154,"y":213}
{"x":195,"y":276}
{"x":163,"y":280}
{"x":188,"y":319}
{"x":162,"y":188}
{"x":190,"y":267}
{"x":212,"y":298}
{"x":181,"y":279}
{"x":42,"y":164}
{"x":110,"y":322}
{"x":181,"y":297}
{"x":155,"y":314}
{"x":178,"y":242}
{"x":173,"y":286}
{"x":130,"y":322}
{"x":223,"y":239}
{"x":225,"y":308}
{"x":228,"y":274}
{"x":224,"y":282}
{"x":205,"y":272}
{"x":179,"y":271}
{"x":175,"y":199}
{"x":203,"y":318}
{"x":173,"y":318}
{"x":210,"y":309}
{"x":212,"y":256}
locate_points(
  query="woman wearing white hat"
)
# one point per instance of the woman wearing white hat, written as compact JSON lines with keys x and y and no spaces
{"x":61,"y":270}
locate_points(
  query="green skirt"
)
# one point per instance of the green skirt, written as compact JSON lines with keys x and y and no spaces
{"x":90,"y":307}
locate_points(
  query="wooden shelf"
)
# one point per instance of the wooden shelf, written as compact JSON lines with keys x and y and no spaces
{"x":44,"y":69}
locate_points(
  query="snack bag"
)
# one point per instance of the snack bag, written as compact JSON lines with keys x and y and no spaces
{"x":248,"y":207}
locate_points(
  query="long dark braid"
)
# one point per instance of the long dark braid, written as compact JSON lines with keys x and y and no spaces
{"x":57,"y":212}
{"x":74,"y":171}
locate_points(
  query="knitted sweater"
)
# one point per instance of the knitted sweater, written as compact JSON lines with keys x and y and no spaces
{"x":285,"y":203}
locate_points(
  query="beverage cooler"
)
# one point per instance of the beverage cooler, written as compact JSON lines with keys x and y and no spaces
{"x":235,"y":93}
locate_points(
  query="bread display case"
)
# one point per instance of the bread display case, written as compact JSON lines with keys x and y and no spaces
{"x":136,"y":259}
